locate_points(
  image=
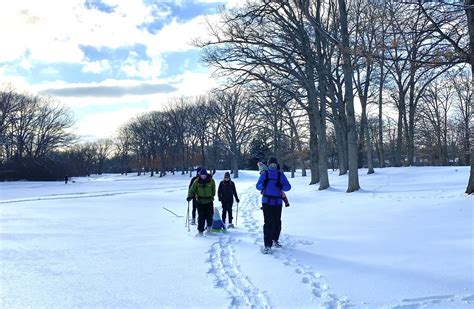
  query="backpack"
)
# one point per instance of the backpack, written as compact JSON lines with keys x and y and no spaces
{"x":278,"y":185}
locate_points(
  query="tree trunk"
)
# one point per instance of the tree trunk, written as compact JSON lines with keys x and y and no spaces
{"x":361,"y":141}
{"x":183,"y":159}
{"x":303,"y":167}
{"x":293,"y":166}
{"x":340,"y":134}
{"x":410,"y":126}
{"x":470,"y":185}
{"x":353,"y":184}
{"x":203,"y":153}
{"x":162,"y":163}
{"x":343,"y":168}
{"x":366,"y":137}
{"x":368,"y":143}
{"x":236,"y":163}
{"x":381,"y":152}
{"x":401,"y":110}
{"x":470,"y":23}
{"x":321,"y":145}
{"x":313,"y":150}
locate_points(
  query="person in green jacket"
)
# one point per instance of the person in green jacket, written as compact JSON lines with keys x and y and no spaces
{"x":203,"y":190}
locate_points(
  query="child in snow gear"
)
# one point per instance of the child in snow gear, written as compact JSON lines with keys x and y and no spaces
{"x":193,"y":212}
{"x":272,"y":184}
{"x":217,"y":224}
{"x":226,"y":193}
{"x":262,"y":168}
{"x":203,"y":190}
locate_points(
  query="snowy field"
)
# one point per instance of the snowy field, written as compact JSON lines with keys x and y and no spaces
{"x":404,"y":241}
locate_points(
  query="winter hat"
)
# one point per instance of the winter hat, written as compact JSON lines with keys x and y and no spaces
{"x":272,"y":160}
{"x":198,"y":170}
{"x":203,"y":171}
{"x":262,"y":167}
{"x":227,"y":174}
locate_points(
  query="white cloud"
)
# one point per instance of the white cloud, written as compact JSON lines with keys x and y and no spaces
{"x":103,"y":125}
{"x":96,"y":66}
{"x":55,"y":52}
{"x":192,"y":83}
{"x":176,"y":36}
{"x":50,"y":71}
{"x":19,"y":82}
{"x":45,"y":35}
{"x":53,"y":30}
{"x":228,"y":3}
{"x":147,"y":69}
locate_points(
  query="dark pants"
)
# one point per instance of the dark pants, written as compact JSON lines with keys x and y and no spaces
{"x":227,"y":209}
{"x":193,"y":212}
{"x":272,"y":223}
{"x":205,"y":212}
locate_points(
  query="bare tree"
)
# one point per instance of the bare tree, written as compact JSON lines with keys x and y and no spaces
{"x":103,"y":151}
{"x":459,"y":19}
{"x":139,"y":140}
{"x":366,"y":40}
{"x":463,"y":105}
{"x":268,"y":41}
{"x":32,"y":128}
{"x":52,"y":128}
{"x":437,"y":102}
{"x":160,"y":138}
{"x":353,"y":184}
{"x":232,"y":111}
{"x":202,"y":116}
{"x":123,"y":145}
{"x":178,"y":116}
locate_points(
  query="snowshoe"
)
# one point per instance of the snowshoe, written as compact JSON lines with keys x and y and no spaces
{"x":267,"y":250}
{"x":276,"y":244}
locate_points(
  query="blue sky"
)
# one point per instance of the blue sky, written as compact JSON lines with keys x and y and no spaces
{"x":108,"y":60}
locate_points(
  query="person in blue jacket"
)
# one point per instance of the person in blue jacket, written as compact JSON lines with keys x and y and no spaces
{"x":271,"y":184}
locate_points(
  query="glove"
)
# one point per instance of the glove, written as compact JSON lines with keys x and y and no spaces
{"x":189,"y":199}
{"x":279,"y":185}
{"x":238,"y":201}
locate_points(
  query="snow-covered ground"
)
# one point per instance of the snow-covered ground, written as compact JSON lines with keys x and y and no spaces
{"x":404,"y":241}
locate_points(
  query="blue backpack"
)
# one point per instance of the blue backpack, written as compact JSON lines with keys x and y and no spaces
{"x":278,"y":185}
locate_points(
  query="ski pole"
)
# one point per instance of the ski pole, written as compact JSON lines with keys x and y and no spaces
{"x":237,"y":214}
{"x":172,"y":212}
{"x":187,"y":218}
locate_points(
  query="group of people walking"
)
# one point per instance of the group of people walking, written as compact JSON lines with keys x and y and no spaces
{"x":272,"y":183}
{"x":202,"y":190}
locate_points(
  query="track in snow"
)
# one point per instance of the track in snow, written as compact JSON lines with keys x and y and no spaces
{"x":318,"y":289}
{"x":229,"y":276}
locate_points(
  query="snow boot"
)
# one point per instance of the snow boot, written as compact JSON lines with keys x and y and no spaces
{"x":230,"y":226}
{"x":276,"y":244}
{"x":267,"y":250}
{"x":200,"y":234}
{"x":193,"y":222}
